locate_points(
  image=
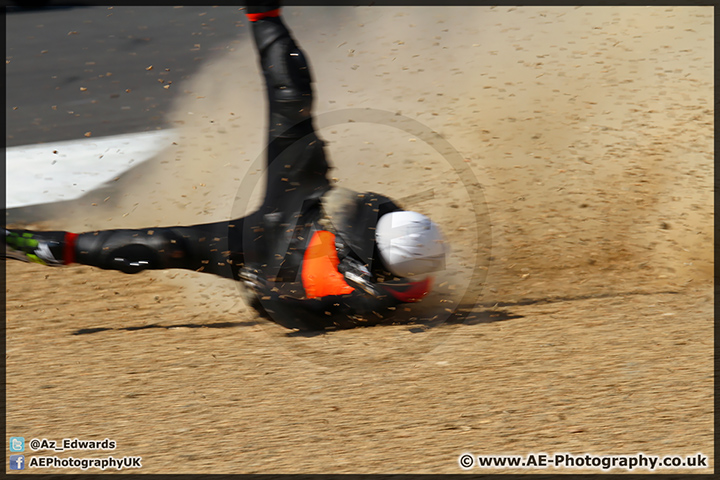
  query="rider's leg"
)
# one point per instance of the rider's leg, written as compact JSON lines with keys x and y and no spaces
{"x":203,"y":248}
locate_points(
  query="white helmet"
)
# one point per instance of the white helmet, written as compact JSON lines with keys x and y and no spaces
{"x":410,"y":243}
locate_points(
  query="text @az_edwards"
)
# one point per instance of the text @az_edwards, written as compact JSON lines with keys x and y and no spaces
{"x":71,"y":444}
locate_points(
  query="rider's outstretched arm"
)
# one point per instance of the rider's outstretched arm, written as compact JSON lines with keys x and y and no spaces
{"x":297,"y":166}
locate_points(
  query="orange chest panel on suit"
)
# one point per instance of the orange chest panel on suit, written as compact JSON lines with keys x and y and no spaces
{"x":320,"y":275}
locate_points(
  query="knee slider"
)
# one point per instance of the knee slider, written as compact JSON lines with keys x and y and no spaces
{"x":130,"y":250}
{"x":132,"y":258}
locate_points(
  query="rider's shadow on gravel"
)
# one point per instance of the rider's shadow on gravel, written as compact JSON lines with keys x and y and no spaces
{"x":462,"y":315}
{"x":86,"y":331}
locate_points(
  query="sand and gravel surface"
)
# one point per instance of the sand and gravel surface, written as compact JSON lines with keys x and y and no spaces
{"x":581,"y":222}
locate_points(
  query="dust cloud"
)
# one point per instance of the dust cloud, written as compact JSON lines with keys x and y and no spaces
{"x":589,"y":130}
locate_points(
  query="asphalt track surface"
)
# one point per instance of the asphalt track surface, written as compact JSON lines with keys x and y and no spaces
{"x":77,"y":70}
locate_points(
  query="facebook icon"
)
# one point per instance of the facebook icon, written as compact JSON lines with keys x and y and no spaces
{"x":17,"y":462}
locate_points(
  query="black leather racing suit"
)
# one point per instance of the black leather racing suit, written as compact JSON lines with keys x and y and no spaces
{"x":265,"y":249}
